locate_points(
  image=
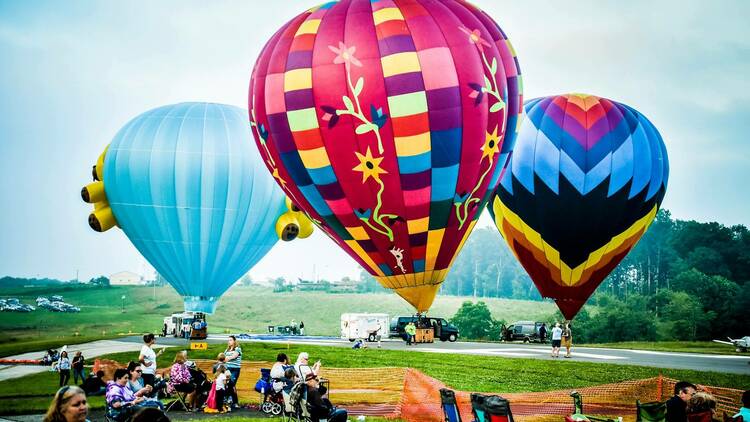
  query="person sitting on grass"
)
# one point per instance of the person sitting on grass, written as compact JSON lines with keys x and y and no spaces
{"x":677,"y":405}
{"x":120,"y":398}
{"x":68,"y":405}
{"x":745,"y":409}
{"x":94,"y":385}
{"x":320,"y":408}
{"x":180,"y":379}
{"x":701,"y":407}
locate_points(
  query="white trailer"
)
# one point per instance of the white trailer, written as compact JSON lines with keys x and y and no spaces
{"x":364,"y":326}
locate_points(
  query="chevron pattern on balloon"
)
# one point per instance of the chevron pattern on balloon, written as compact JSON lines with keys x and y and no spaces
{"x":585,"y":180}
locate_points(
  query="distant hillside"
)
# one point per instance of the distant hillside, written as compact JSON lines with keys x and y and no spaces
{"x":242,"y":309}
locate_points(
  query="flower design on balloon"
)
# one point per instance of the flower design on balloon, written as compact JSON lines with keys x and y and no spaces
{"x":475,"y":37}
{"x":466,"y":202}
{"x":490,"y":87}
{"x":345,"y":55}
{"x":369,"y":166}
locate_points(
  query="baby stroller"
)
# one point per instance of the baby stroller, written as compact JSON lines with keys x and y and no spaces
{"x":51,"y":357}
{"x":272,"y":401}
{"x":202,"y":385}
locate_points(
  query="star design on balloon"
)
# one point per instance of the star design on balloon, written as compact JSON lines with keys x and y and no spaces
{"x":490,"y":147}
{"x":369,"y":166}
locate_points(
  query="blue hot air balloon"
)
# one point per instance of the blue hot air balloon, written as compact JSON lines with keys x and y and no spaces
{"x":189,"y":189}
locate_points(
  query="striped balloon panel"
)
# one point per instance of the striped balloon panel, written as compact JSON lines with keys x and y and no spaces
{"x":389,"y":122}
{"x":585,"y":181}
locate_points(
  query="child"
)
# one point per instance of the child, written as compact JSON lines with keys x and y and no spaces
{"x":222,"y":386}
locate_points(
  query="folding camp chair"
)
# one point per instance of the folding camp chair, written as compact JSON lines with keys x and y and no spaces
{"x":490,"y":408}
{"x":450,"y":406}
{"x":179,"y":398}
{"x":650,"y":412}
{"x":578,"y":409}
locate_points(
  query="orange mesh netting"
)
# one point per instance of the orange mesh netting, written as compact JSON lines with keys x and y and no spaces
{"x":411,"y":395}
{"x":421,"y":399}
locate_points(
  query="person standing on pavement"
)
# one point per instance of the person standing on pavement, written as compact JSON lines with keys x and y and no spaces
{"x":411,"y":331}
{"x":147,"y":358}
{"x":233,"y":356}
{"x":567,"y":338}
{"x":543,"y":333}
{"x":78,"y":370}
{"x":556,"y":340}
{"x":302,"y":328}
{"x":63,"y":367}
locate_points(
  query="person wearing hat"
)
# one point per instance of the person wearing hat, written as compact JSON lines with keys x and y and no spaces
{"x":321,"y":408}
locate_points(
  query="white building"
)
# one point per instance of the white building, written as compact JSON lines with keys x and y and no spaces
{"x":125,"y":278}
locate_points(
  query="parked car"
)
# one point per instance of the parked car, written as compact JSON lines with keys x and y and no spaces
{"x":445,"y":331}
{"x":526,"y":331}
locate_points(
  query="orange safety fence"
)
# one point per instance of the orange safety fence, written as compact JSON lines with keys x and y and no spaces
{"x":421,"y":399}
{"x":411,"y":395}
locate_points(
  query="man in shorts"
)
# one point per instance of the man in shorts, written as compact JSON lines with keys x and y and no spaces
{"x":556,"y":340}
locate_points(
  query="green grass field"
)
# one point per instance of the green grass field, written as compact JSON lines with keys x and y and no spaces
{"x":468,"y":373}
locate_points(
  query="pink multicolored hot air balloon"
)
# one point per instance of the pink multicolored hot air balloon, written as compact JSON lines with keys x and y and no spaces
{"x":388,"y":123}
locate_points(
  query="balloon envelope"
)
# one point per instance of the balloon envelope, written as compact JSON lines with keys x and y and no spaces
{"x":189,"y":190}
{"x":388,"y":123}
{"x":585,"y":180}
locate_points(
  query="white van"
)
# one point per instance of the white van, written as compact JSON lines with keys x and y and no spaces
{"x":364,"y":326}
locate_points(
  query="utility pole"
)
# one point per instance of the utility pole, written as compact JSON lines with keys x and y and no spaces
{"x":497,"y":281}
{"x":76,"y":275}
{"x":476,"y":266}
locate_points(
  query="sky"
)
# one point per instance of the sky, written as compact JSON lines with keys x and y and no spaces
{"x":73,"y":73}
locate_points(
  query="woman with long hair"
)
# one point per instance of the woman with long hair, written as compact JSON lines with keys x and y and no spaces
{"x":233,"y":362}
{"x":63,"y":367}
{"x":68,"y":405}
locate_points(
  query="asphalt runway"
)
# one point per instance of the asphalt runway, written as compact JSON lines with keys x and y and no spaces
{"x":736,"y":364}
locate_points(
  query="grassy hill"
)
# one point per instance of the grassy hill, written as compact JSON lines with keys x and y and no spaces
{"x":242,"y":309}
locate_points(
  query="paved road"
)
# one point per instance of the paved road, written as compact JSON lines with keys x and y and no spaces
{"x":90,"y":350}
{"x":702,"y":362}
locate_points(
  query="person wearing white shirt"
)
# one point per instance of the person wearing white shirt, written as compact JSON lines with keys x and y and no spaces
{"x":302,"y":366}
{"x":147,"y":358}
{"x":222,"y":381}
{"x":556,"y":340}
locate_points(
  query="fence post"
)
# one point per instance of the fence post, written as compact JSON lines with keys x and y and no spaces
{"x":659,"y":386}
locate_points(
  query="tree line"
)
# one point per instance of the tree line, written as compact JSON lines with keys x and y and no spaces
{"x":684,"y":280}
